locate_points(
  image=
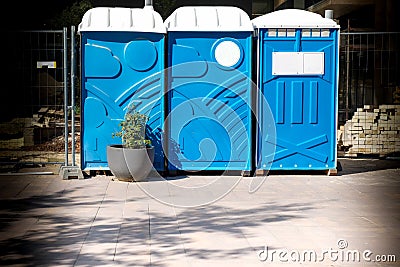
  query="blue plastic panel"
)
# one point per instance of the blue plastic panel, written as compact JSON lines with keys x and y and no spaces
{"x":119,"y":68}
{"x":303,"y":100}
{"x":209,"y":103}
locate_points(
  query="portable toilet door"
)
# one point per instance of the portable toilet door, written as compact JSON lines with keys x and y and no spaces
{"x":122,"y":62}
{"x":298,"y":61}
{"x":209,"y":89}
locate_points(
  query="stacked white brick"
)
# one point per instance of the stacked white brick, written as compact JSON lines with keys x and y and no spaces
{"x":372,"y":131}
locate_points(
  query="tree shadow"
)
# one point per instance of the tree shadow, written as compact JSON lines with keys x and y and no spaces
{"x":218,"y":222}
{"x":50,"y":229}
{"x":68,"y":228}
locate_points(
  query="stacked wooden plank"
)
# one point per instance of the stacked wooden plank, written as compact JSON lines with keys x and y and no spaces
{"x":372,"y":130}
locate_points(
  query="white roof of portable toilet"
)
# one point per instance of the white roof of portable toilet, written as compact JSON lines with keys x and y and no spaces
{"x":293,"y":18}
{"x":123,"y":19}
{"x":208,"y":18}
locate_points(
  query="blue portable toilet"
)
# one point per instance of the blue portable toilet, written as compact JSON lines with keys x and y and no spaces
{"x":297,"y":76}
{"x":122,"y":62}
{"x":209,"y":89}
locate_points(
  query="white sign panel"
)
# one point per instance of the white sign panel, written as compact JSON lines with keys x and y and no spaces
{"x":298,"y":63}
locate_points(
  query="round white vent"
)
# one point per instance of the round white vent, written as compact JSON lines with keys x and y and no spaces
{"x":227,"y":53}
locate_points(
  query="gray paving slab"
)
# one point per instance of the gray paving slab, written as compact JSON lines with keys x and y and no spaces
{"x":203,"y":220}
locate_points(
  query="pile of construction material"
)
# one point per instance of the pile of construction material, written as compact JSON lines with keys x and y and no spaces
{"x":371,"y":130}
{"x":30,"y":131}
{"x":57,"y":144}
{"x":46,"y":117}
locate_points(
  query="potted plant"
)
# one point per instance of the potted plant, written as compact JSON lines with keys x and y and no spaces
{"x":133,"y":159}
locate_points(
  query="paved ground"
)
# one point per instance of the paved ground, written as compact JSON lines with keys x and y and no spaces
{"x":291,"y":220}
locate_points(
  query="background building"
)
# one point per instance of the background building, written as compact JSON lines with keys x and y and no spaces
{"x":375,"y":15}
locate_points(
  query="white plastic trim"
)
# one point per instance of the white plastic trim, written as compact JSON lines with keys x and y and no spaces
{"x":122,"y":19}
{"x":293,"y":18}
{"x":208,"y":18}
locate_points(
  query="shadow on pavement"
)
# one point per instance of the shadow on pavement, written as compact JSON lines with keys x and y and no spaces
{"x":361,"y":165}
{"x":54,"y":229}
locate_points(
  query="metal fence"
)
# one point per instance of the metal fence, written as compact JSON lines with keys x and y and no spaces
{"x":369,"y":93}
{"x":34,"y":119}
{"x":32,"y":123}
{"x":369,"y":71}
